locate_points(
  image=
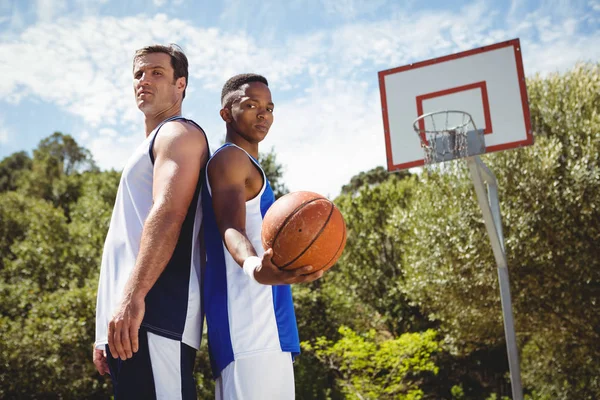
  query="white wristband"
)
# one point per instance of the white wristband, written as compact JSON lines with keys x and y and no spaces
{"x":250,"y":265}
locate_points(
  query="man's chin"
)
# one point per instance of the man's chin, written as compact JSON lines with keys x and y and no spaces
{"x":144,"y":106}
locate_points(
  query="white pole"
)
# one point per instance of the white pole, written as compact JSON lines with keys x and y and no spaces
{"x":490,"y":207}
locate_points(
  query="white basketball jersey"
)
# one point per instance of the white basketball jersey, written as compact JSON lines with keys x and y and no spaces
{"x":173,"y":305}
{"x":244,"y":317}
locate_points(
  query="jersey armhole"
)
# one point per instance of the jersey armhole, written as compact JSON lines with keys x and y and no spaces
{"x":155,"y":134}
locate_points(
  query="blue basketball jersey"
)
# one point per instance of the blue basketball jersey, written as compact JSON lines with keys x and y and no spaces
{"x":244,"y":317}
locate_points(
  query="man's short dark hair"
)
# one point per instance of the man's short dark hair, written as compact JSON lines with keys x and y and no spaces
{"x":236,"y":82}
{"x":179,"y":61}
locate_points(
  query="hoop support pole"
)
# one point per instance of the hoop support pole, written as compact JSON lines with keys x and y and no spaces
{"x":486,"y":189}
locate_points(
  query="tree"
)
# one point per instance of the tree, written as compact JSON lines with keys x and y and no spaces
{"x":11,"y":169}
{"x":362,"y":291}
{"x":372,"y":178}
{"x":64,"y":153}
{"x":91,"y":216}
{"x":48,"y":270}
{"x":47,"y":354}
{"x":372,"y":367}
{"x":274,"y":172}
{"x":371,"y":267}
{"x":55,"y":173}
{"x":34,"y":242}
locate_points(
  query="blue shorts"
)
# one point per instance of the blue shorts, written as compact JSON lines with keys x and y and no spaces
{"x":162,"y":368}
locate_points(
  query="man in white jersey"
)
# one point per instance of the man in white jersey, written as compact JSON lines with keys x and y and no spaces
{"x":149,"y":312}
{"x":252,"y":331}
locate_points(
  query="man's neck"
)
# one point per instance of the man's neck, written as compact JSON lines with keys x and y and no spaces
{"x":153,"y":120}
{"x":251,"y":148}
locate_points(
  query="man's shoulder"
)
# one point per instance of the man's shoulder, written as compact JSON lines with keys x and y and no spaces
{"x":229,"y":160}
{"x":182,"y":126}
{"x":181,"y":134}
{"x":231,"y":154}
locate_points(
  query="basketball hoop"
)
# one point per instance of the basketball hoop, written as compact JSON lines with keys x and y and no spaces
{"x":448,"y":135}
{"x":483,"y":90}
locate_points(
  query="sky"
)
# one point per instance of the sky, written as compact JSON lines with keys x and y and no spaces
{"x":66,"y":65}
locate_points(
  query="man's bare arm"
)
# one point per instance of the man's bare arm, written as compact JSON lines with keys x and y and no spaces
{"x":228,"y":173}
{"x":180,"y":151}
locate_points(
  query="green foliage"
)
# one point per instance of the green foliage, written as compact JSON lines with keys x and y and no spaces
{"x":372,"y":367}
{"x":362,"y":290}
{"x":371,"y":268}
{"x":205,"y":385}
{"x":53,"y":219}
{"x":321,"y":307}
{"x":549,"y":195}
{"x":48,"y":354}
{"x":274,"y":172}
{"x":55,"y":173}
{"x":558,"y":365}
{"x":449,"y":263}
{"x":457,"y":392}
{"x":371,"y":178}
{"x":34,"y":242}
{"x":493,"y":396}
{"x":91,"y":218}
{"x":11,"y":169}
{"x":63,"y":152}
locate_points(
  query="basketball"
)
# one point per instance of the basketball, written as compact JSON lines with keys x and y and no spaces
{"x":304,"y":228}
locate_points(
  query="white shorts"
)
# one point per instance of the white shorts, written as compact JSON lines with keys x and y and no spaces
{"x":264,"y":376}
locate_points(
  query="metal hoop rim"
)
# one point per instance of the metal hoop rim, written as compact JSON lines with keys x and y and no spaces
{"x":422,"y":117}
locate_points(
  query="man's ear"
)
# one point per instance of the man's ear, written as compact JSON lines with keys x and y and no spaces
{"x":181,"y":83}
{"x":226,"y":115}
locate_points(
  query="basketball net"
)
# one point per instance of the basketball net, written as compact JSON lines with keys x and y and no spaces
{"x":443,"y":135}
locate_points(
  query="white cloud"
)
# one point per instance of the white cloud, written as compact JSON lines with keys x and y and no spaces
{"x":328,"y":119}
{"x":328,"y":135}
{"x":110,"y":152}
{"x":351,"y":8}
{"x":4,"y":136}
{"x":47,"y":10}
{"x":13,"y":18}
{"x":514,"y":7}
{"x":562,"y":55}
{"x":84,"y":66}
{"x":108,"y":132}
{"x":553,"y":42}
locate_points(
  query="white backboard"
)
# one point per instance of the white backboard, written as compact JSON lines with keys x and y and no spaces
{"x":487,"y":82}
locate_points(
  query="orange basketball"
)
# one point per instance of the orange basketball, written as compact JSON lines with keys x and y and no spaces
{"x":304,"y":228}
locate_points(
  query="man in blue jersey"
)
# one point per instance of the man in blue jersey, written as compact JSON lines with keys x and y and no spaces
{"x":252,"y":332}
{"x":148,"y":311}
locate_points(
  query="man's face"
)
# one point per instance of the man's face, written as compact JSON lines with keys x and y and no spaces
{"x":153,"y":83}
{"x":252,"y":111}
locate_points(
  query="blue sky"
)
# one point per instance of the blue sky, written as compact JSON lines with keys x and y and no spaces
{"x":66,"y":66}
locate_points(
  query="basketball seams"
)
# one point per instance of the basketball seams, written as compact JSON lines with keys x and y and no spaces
{"x":341,"y":246}
{"x":302,"y":232}
{"x":316,"y":236}
{"x":290,"y":216}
